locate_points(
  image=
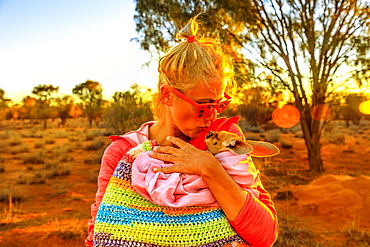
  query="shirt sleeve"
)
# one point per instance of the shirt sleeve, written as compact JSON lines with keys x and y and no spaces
{"x":110,"y":159}
{"x":257,"y":221}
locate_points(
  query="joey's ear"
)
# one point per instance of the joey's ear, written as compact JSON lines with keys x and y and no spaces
{"x":263,"y":149}
{"x":165,"y":94}
{"x":237,"y":146}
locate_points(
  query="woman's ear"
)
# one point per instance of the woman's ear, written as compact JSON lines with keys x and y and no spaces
{"x":165,"y":93}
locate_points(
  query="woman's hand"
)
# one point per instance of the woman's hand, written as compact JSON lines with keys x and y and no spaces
{"x":190,"y":160}
{"x":186,"y":158}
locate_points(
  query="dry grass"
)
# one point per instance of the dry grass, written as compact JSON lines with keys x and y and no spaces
{"x":64,"y":164}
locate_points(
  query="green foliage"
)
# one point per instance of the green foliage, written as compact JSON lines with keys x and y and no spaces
{"x":91,"y":94}
{"x":65,"y":107}
{"x":45,"y":96}
{"x":157,"y":23}
{"x":3,"y":105}
{"x":273,"y":135}
{"x":257,"y":105}
{"x":300,"y":46}
{"x":128,"y":111}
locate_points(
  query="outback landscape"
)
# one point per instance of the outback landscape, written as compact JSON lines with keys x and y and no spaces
{"x":48,"y":182}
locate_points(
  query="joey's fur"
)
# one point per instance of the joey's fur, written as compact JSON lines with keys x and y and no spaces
{"x":225,"y":141}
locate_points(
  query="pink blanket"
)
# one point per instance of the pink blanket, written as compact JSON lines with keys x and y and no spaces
{"x":181,"y":190}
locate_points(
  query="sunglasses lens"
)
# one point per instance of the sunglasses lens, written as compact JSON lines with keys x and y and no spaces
{"x":205,"y":111}
{"x":223,"y":105}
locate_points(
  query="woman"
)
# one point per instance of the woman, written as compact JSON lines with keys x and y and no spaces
{"x":193,"y":84}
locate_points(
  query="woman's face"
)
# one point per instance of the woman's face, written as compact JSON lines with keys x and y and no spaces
{"x":183,"y":114}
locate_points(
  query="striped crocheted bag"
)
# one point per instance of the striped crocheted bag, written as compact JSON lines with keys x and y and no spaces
{"x":125,"y":218}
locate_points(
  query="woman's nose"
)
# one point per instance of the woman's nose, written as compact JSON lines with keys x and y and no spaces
{"x":212,"y":117}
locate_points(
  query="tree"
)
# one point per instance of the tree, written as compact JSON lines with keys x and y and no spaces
{"x":45,"y":95}
{"x":350,"y":110}
{"x":129,"y":110}
{"x":3,"y":104}
{"x":91,"y":94}
{"x":66,"y":109}
{"x":304,"y":45}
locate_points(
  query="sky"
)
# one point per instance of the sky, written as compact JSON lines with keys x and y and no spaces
{"x":64,"y":43}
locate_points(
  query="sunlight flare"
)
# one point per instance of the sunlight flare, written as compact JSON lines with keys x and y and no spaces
{"x":364,"y":107}
{"x":286,"y":116}
{"x":320,"y":112}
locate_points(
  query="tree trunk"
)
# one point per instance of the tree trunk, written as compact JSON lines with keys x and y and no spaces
{"x":314,"y":157}
{"x":312,"y":141}
{"x":45,"y":123}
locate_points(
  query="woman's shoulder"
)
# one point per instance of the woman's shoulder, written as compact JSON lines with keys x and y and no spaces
{"x":122,"y":143}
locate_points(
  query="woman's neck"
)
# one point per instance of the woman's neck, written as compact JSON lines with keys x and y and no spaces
{"x":161,"y":129}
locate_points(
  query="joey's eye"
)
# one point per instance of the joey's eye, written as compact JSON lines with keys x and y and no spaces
{"x":215,"y":143}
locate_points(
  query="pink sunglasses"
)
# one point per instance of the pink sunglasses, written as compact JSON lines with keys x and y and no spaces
{"x":204,"y":110}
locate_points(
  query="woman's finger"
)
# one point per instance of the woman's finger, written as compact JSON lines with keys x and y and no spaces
{"x":167,"y":150}
{"x":163,"y":156}
{"x":168,"y":169}
{"x":178,"y":142}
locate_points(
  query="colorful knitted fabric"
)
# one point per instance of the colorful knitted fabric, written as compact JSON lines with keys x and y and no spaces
{"x":125,"y":218}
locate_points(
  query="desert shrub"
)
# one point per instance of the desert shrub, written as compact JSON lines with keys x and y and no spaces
{"x":298,"y":134}
{"x":252,"y":136}
{"x":69,"y":229}
{"x":332,"y":134}
{"x":95,"y":145}
{"x":90,"y":135}
{"x":285,"y":144}
{"x":95,"y":158}
{"x":37,"y":157}
{"x":56,"y":168}
{"x":29,"y":179}
{"x":358,"y":238}
{"x":291,"y":234}
{"x":39,"y":144}
{"x":14,"y":140}
{"x":11,"y":193}
{"x":38,"y":134}
{"x":51,"y":164}
{"x":60,"y":134}
{"x":26,"y":134}
{"x":4,"y":135}
{"x":336,"y":137}
{"x":60,"y":149}
{"x":73,"y":138}
{"x":4,"y":147}
{"x":252,"y":129}
{"x":19,"y":149}
{"x":92,"y":175}
{"x":295,"y":129}
{"x":272,"y":135}
{"x":49,"y":141}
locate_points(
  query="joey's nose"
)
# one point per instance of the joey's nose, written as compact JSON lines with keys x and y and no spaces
{"x":210,"y":134}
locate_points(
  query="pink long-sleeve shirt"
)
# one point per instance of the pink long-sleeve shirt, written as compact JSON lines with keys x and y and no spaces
{"x":257,"y":221}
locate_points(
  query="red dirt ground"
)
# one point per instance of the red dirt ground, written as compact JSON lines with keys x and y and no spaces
{"x":52,"y":209}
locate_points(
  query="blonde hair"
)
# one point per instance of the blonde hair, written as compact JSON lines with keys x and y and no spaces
{"x":190,"y":64}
